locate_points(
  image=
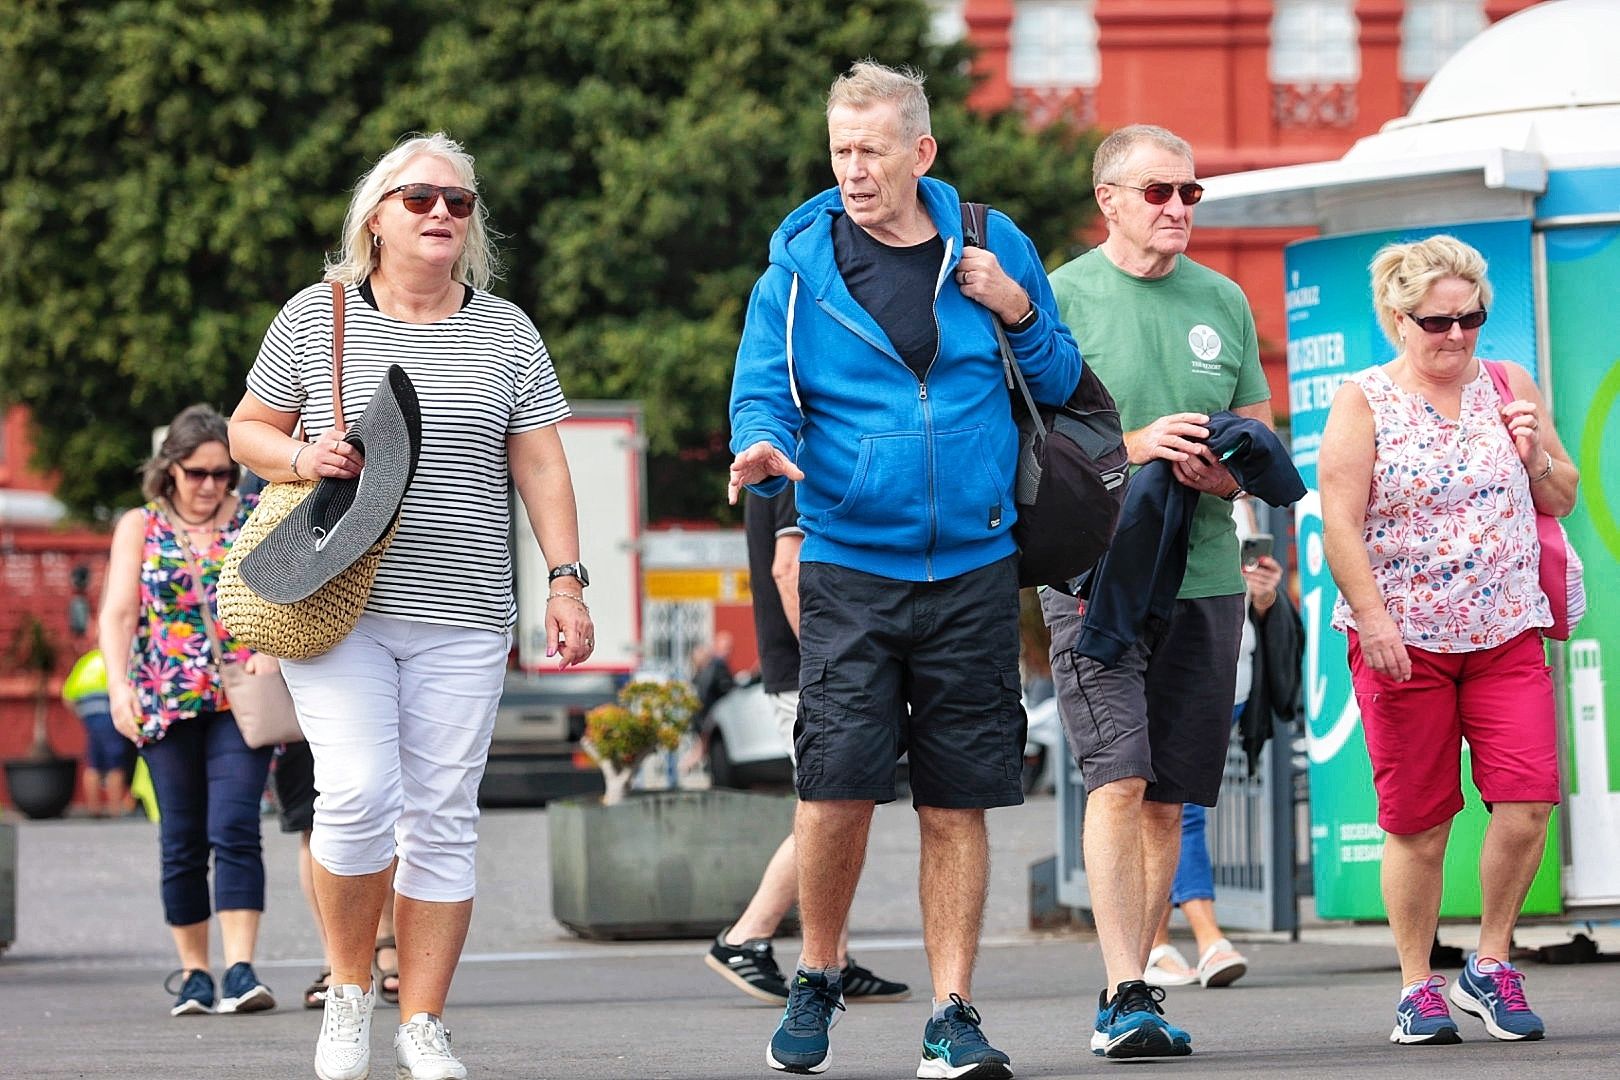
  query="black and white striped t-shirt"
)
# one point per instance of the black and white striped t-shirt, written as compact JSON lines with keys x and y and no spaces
{"x":481,"y":374}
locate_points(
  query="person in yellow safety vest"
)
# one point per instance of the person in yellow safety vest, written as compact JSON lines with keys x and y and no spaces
{"x":111,"y":757}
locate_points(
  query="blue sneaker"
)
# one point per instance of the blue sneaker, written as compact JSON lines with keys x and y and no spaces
{"x":1421,"y":1017}
{"x":955,"y":1048}
{"x":800,"y":1042}
{"x":196,"y":993}
{"x":1496,"y":996}
{"x":243,"y":992}
{"x":1132,"y":1025}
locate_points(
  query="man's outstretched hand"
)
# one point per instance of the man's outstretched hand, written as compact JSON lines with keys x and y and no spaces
{"x":755,"y":464}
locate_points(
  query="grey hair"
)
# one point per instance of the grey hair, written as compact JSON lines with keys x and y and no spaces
{"x":870,"y":83}
{"x":477,"y":265}
{"x":196,"y":426}
{"x":1403,"y":274}
{"x":1111,"y":153}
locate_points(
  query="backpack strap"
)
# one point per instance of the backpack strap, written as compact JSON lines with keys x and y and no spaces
{"x":975,"y":231}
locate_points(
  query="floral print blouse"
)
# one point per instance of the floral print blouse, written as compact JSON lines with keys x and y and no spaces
{"x":1450,"y":528}
{"x":171,"y":660}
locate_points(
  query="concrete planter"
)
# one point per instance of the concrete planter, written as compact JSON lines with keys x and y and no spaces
{"x":666,"y":864}
{"x":8,"y":884}
{"x":42,"y":789}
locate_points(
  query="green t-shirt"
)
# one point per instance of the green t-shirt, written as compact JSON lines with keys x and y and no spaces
{"x":1181,"y":343}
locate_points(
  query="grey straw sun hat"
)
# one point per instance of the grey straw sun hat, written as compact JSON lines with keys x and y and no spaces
{"x":341,"y":519}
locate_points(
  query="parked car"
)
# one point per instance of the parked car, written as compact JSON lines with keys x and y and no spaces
{"x":747,"y":746}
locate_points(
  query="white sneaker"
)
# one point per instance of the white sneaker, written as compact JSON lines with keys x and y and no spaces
{"x":343,"y":1052}
{"x":422,"y":1050}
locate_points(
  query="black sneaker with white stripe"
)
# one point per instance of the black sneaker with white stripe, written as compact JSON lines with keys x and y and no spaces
{"x":861,"y":985}
{"x":750,"y":967}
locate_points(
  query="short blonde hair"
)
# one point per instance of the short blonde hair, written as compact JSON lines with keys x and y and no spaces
{"x":1111,"y":153}
{"x":870,"y":83}
{"x":477,"y":265}
{"x":1403,"y":274}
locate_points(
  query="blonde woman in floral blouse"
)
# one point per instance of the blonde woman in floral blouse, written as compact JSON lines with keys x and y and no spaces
{"x":1430,"y":490}
{"x":170,"y":703}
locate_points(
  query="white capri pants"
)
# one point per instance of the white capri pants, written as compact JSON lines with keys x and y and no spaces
{"x":399,"y":718}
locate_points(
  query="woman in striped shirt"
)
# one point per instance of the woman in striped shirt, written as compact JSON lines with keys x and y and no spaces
{"x":399,"y":715}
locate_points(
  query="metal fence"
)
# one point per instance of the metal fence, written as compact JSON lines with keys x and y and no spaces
{"x":1251,"y":831}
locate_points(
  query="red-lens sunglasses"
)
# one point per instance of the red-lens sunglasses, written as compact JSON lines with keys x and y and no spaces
{"x":419,"y":198}
{"x":1158,"y":194}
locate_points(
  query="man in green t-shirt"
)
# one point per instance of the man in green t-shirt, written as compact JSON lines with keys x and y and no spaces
{"x":1174,"y":342}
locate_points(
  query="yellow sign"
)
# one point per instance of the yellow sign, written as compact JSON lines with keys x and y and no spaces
{"x":714,"y":586}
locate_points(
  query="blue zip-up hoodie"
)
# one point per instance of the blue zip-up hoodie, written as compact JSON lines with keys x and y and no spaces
{"x":904,"y":477}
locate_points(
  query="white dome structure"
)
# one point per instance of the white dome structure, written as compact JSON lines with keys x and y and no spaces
{"x":1538,"y":91}
{"x":1551,"y":56}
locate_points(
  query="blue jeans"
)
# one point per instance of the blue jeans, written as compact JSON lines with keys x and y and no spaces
{"x":1195,"y":879}
{"x":208,"y":784}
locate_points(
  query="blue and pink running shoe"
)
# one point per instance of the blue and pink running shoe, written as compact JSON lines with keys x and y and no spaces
{"x":1421,"y":1017}
{"x":1494,"y":992}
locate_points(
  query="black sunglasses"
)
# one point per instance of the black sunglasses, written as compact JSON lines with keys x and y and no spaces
{"x":419,"y":198}
{"x":1159,"y":193}
{"x":197,"y":476}
{"x":1441,"y":324}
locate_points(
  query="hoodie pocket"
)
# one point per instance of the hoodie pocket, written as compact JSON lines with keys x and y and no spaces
{"x":973,"y":502}
{"x":886,"y":504}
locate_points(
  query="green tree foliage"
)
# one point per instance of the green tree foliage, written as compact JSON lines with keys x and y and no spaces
{"x":171,"y":171}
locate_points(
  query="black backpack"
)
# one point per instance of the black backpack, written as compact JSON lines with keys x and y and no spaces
{"x":1071,"y":463}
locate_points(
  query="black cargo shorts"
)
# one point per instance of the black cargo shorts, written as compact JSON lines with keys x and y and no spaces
{"x":926,"y":668}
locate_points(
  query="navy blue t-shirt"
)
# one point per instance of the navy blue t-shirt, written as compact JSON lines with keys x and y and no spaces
{"x":896,"y":287}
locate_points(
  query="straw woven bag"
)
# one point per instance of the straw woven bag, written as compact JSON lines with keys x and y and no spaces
{"x":312,"y":626}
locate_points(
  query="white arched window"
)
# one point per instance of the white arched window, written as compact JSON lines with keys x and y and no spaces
{"x":946,"y":25}
{"x":1315,"y":42}
{"x":1433,"y":30}
{"x":1054,"y":43}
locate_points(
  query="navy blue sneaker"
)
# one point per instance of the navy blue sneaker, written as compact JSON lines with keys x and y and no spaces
{"x":195,"y":996}
{"x":1496,"y":996}
{"x":954,"y":1047}
{"x":1422,"y":1019}
{"x":1132,"y":1025}
{"x":243,"y":992}
{"x":800,"y":1042}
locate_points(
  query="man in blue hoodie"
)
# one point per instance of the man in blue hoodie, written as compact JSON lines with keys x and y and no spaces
{"x":869,"y":373}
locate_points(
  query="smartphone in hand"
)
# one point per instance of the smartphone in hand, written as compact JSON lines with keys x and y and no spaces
{"x":1254,"y":547}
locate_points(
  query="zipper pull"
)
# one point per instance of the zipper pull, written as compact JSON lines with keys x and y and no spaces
{"x":922,"y":391}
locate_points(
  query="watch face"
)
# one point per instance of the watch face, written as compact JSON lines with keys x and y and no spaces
{"x":573,"y":570}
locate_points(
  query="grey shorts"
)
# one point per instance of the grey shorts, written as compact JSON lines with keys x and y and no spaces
{"x":927,"y":668}
{"x":1165,"y":712}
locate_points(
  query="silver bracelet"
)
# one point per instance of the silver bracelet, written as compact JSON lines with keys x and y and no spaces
{"x":580,"y":600}
{"x":296,"y":455}
{"x":1539,"y":477}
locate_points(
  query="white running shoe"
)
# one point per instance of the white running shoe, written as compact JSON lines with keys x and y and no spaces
{"x":422,"y":1050}
{"x":343,"y":1052}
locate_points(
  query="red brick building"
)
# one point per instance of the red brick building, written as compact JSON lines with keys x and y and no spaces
{"x":38,"y":560}
{"x":1251,"y":84}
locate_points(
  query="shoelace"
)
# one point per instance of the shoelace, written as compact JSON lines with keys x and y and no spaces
{"x":343,"y":1017}
{"x":1141,"y":998}
{"x":962,"y":1024}
{"x":1510,"y":988}
{"x":1427,"y":1000}
{"x":431,"y":1038}
{"x":811,"y":1015}
{"x":186,"y":978}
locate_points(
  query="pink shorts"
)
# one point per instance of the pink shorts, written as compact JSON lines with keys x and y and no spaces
{"x":1499,"y":699}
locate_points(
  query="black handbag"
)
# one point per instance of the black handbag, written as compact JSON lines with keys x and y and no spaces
{"x":1072,"y":463}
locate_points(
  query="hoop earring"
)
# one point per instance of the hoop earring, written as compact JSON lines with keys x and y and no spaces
{"x":376,"y":240}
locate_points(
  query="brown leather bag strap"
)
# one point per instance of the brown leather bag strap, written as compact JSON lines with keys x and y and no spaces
{"x":337,"y":356}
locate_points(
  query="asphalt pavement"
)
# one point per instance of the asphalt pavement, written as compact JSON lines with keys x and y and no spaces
{"x":81,"y":995}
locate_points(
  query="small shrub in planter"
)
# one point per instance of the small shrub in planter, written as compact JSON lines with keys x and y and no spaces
{"x":650,"y":715}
